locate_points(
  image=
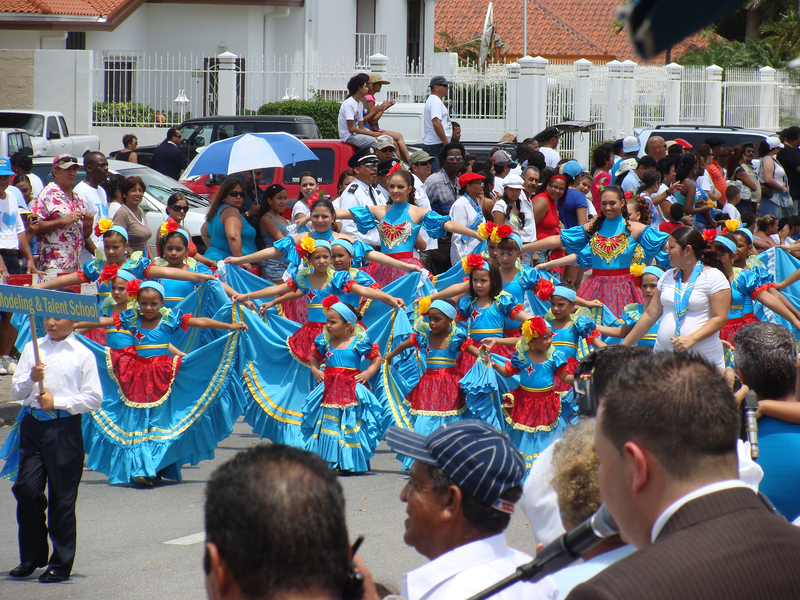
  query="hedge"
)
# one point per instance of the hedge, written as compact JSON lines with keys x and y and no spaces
{"x":324,"y":112}
{"x":133,"y":113}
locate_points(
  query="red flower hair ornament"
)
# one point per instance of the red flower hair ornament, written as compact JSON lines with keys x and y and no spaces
{"x":710,"y":235}
{"x":473,"y":261}
{"x":108,"y":273}
{"x":544,"y":289}
{"x":628,"y":195}
{"x":504,"y":230}
{"x":328,"y":302}
{"x":132,"y":289}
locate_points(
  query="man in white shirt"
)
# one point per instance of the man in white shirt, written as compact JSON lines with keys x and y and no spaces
{"x":463,"y":484}
{"x":436,"y":120}
{"x":361,"y":193}
{"x":50,"y":447}
{"x":420,"y":165}
{"x":666,"y":440}
{"x":90,"y":189}
{"x":548,"y":141}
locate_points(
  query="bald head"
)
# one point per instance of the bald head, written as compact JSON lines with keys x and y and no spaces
{"x":656,"y":147}
{"x":96,"y":166}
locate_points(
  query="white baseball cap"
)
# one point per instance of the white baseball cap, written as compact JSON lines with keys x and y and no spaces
{"x":630,"y":144}
{"x":773,"y":142}
{"x":513,"y":181}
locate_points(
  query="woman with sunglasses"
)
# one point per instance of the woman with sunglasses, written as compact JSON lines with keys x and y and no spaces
{"x":177,"y":208}
{"x":229,"y":231}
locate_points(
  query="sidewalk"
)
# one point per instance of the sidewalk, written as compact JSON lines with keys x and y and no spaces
{"x":9,"y":409}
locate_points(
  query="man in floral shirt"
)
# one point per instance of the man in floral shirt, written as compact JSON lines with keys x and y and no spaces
{"x":64,"y":219}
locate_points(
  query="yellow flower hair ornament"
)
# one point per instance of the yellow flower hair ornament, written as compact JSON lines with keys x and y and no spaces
{"x":306,"y":246}
{"x":732,"y":225}
{"x":534,"y":328}
{"x":102,"y":226}
{"x":472,"y":261}
{"x":424,"y":305}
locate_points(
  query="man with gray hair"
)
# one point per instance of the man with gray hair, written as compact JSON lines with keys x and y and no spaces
{"x":766,"y":362}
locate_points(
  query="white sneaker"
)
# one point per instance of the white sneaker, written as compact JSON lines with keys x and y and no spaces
{"x":7,"y":363}
{"x":3,"y":370}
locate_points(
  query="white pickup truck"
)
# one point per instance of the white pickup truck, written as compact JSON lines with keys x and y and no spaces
{"x":49,"y":133}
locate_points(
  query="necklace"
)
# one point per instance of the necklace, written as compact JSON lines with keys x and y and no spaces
{"x":135,"y":216}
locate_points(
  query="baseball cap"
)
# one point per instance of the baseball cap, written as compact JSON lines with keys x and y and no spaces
{"x":629,"y":164}
{"x":440,"y":80}
{"x":513,"y":181}
{"x":64,"y":161}
{"x":384,"y":141}
{"x":502,"y":158}
{"x":548,"y":133}
{"x":773,"y":142}
{"x":5,"y":167}
{"x":715,"y":140}
{"x":630,"y":143}
{"x":467,"y":177}
{"x":572,"y":168}
{"x":420,"y":157}
{"x":479,"y":459}
{"x":684,"y":144}
{"x":386,"y":165}
{"x":378,"y":78}
{"x":363,"y":156}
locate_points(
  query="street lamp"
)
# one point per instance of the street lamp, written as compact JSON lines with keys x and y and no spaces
{"x":182,"y":101}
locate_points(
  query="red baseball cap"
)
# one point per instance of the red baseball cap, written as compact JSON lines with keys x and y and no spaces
{"x":467,"y":177}
{"x":686,"y":145}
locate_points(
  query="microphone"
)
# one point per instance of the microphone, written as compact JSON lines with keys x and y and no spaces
{"x":560,"y":552}
{"x":751,"y":423}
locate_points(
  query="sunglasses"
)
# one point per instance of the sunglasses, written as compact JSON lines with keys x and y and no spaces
{"x":179,"y":208}
{"x":454,"y":159}
{"x":67,"y":160}
{"x":235,"y":194}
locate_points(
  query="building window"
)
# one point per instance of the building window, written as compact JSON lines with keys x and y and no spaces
{"x":76,"y":40}
{"x":118,"y":80}
{"x":416,"y":27}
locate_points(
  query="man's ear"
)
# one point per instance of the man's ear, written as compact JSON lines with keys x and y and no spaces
{"x":638,"y":465}
{"x":451,"y":502}
{"x":219,"y":580}
{"x":741,"y":376}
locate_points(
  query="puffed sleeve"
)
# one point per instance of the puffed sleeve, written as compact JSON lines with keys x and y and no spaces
{"x":287,"y":246}
{"x":585,"y":258}
{"x":360,"y":250}
{"x":630,"y":314}
{"x":559,"y":361}
{"x":123,"y":320}
{"x":201,"y":268}
{"x":364,"y":219}
{"x":463,"y":307}
{"x":364,"y":279}
{"x":341,"y":282}
{"x":173,"y":320}
{"x":89,"y":271}
{"x":507,"y":305}
{"x":584,"y":326}
{"x":764,"y":276}
{"x":138,"y":265}
{"x":458,"y":339}
{"x":367,"y":349}
{"x":574,"y":239}
{"x":293,"y":284}
{"x":530,"y":277}
{"x":433,"y":224}
{"x":320,"y":347}
{"x":515,"y":364}
{"x":652,"y":241}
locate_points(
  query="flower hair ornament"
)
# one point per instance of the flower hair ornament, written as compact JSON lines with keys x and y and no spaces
{"x":494,"y":232}
{"x":328,"y":302}
{"x":472,"y":262}
{"x":396,"y":167}
{"x":306,"y":246}
{"x":628,"y":195}
{"x":108,"y":273}
{"x":424,"y":305}
{"x":544,"y":289}
{"x":709,"y":235}
{"x":534,"y":328}
{"x":132,"y":289}
{"x":313,"y":199}
{"x":731,"y":225}
{"x":637,"y":270}
{"x":168,"y":226}
{"x":102,"y":226}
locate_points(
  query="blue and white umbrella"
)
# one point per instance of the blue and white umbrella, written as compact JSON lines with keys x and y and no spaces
{"x":248,"y":152}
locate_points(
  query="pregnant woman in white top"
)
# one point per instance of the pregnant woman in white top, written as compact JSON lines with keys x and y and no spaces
{"x":694,"y":297}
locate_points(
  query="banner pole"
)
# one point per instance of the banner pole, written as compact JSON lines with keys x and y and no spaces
{"x":35,"y":341}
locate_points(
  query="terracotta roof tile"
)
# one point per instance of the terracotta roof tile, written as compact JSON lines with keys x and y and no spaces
{"x":63,"y":7}
{"x":555,"y":28}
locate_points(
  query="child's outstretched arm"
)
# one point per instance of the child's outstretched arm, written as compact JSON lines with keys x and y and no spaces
{"x":548,"y":243}
{"x":58,"y":283}
{"x":491,"y":342}
{"x":457,"y":289}
{"x":87,"y":325}
{"x":405,"y":345}
{"x":564,"y":261}
{"x":155,"y":272}
{"x":567,"y":378}
{"x":271,"y":290}
{"x":374,"y":365}
{"x":615,"y":332}
{"x":388,"y":261}
{"x":256,"y":257}
{"x":380,"y":296}
{"x":207,"y":323}
{"x":522,"y":316}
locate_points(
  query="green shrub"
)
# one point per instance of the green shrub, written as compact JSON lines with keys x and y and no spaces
{"x":324,"y":112}
{"x":132,"y":113}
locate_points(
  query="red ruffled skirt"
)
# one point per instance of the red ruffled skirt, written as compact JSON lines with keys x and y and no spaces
{"x":615,"y":291}
{"x":507,"y":351}
{"x":144,"y":381}
{"x":569,"y":368}
{"x":301,"y":343}
{"x":296,"y":310}
{"x":97,"y":335}
{"x":465,"y":360}
{"x":384,"y":275}
{"x":340,"y":387}
{"x":437,"y":393}
{"x":734,"y":325}
{"x":532,"y":409}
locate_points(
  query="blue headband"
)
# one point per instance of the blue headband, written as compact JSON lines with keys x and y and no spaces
{"x":153,"y":285}
{"x":183,"y":232}
{"x":323,"y":244}
{"x":347,"y":314}
{"x":517,"y":239}
{"x":653,"y":270}
{"x":727,"y":243}
{"x":445,"y":307}
{"x":344,"y":244}
{"x":126,"y":275}
{"x":565,"y":293}
{"x":745,"y":231}
{"x":119,"y":230}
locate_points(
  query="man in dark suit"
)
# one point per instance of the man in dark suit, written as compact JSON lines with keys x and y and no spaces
{"x":168,"y":159}
{"x":666,"y":440}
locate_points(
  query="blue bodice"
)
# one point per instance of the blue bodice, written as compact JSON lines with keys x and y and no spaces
{"x":336,"y":286}
{"x":441,"y":359}
{"x":178,"y":290}
{"x":631,"y":315}
{"x":152,"y":342}
{"x":345,"y":358}
{"x":566,"y":340}
{"x":537,"y":377}
{"x":487,"y":322}
{"x":524,"y":281}
{"x":613,"y":247}
{"x":397,"y":231}
{"x":136,"y":264}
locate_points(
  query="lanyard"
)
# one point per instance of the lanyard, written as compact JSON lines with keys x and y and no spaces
{"x":682,"y":299}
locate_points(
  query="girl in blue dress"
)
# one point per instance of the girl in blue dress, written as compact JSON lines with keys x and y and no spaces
{"x":533,"y":410}
{"x":613,"y":241}
{"x":343,"y":421}
{"x":647,"y":280}
{"x":399,"y":224}
{"x":159,"y":411}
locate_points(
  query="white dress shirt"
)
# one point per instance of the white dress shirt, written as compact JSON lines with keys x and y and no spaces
{"x":469,"y":569}
{"x":539,"y":501}
{"x":70,"y":374}
{"x":421,"y":200}
{"x":703,"y":491}
{"x":359,"y":193}
{"x":462,"y":212}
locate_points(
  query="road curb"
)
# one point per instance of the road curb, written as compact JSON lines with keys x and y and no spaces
{"x":9,"y":412}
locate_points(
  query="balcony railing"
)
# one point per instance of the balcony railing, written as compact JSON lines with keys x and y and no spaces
{"x":368,"y":44}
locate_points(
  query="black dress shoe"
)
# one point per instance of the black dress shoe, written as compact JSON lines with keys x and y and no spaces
{"x":51,"y":576}
{"x":25,"y":569}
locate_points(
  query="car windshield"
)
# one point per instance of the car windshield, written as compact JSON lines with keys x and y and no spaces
{"x":33,"y":124}
{"x":162,"y":187}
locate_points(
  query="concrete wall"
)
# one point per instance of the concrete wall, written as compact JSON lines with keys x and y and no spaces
{"x":111,"y":137}
{"x":16,"y":79}
{"x":63,"y":82}
{"x":391,"y":19}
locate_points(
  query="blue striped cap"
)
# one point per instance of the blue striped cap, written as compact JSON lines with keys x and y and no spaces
{"x":479,"y":459}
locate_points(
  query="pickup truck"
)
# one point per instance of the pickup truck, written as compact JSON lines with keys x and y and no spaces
{"x":49,"y":133}
{"x":332,"y":154}
{"x":13,"y":140}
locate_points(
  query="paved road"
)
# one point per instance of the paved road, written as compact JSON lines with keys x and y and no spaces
{"x":124,"y":533}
